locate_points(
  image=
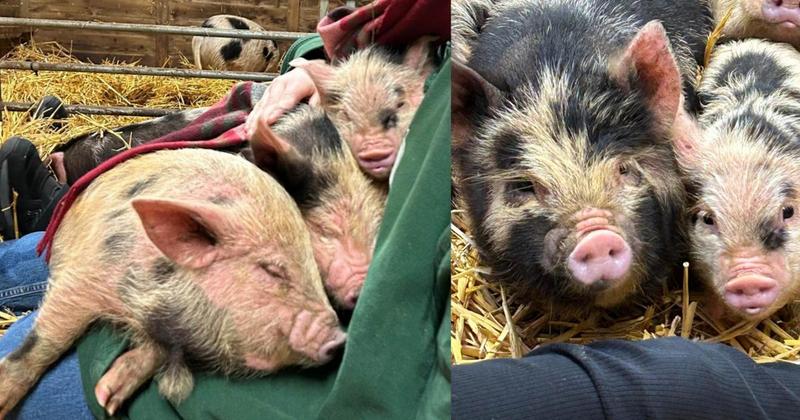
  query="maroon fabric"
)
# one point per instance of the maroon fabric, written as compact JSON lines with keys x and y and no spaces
{"x":386,"y":22}
{"x":220,"y":127}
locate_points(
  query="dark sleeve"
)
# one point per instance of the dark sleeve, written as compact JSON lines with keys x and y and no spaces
{"x":668,"y":378}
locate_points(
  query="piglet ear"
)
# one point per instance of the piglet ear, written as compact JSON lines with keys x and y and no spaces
{"x":187,"y":233}
{"x":269,"y":148}
{"x":472,"y":97}
{"x":648,"y":65}
{"x":418,"y":56}
{"x":321,"y":73}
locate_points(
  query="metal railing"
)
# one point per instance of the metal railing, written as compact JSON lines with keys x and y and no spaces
{"x":152,"y":29}
{"x":37,"y":66}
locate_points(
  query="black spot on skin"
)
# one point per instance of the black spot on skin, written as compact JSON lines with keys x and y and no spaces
{"x":221,"y":200}
{"x":114,"y":215}
{"x":237,"y":23}
{"x":26,"y":346}
{"x":162,"y":270}
{"x":116,"y":244}
{"x":769,"y":74}
{"x":207,"y":24}
{"x":772,"y":238}
{"x":387,"y":118}
{"x":140,"y":186}
{"x":788,"y":190}
{"x":267,"y":53}
{"x":231,"y":50}
{"x":508,"y":150}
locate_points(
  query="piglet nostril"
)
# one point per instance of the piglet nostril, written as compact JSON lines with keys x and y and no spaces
{"x":332,"y":348}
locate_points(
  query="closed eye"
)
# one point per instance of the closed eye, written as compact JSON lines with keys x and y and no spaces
{"x":276,"y":270}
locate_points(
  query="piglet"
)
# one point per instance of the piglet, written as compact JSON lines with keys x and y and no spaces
{"x":236,"y":54}
{"x":341,"y":206}
{"x":371,"y":97}
{"x":200,"y":256}
{"x":743,"y":170}
{"x":778,"y":20}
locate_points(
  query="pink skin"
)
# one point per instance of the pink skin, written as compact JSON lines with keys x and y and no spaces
{"x":753,"y":279}
{"x":376,"y":153}
{"x":601,"y":254}
{"x":57,"y":166}
{"x":782,"y":12}
{"x":303,"y":315}
{"x":344,"y":267}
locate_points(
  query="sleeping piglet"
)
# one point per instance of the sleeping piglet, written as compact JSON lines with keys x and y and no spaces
{"x":201,"y":257}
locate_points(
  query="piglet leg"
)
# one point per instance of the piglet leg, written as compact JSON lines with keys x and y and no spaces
{"x":63,"y":317}
{"x":127,"y":374}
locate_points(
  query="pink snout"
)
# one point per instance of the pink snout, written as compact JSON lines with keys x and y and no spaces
{"x":601,"y":255}
{"x":328,"y":350}
{"x":377,"y":161}
{"x":751,"y":294}
{"x":782,"y":12}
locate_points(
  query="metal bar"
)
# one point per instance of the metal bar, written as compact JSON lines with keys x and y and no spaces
{"x":145,"y":71}
{"x":148,"y":28}
{"x":94,"y":110}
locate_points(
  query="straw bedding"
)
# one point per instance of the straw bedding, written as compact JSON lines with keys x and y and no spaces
{"x":490,"y":321}
{"x":90,"y":89}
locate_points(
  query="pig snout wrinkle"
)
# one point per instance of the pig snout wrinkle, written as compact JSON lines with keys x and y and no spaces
{"x":601,"y":255}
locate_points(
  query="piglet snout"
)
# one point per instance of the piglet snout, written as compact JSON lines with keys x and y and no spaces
{"x":599,"y":256}
{"x":751,"y":294}
{"x":329,"y":349}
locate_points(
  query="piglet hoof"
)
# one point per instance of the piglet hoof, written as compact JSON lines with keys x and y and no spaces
{"x":124,"y":377}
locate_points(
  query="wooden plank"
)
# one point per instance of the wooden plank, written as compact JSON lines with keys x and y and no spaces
{"x":161,"y":41}
{"x":134,"y":11}
{"x":193,"y":14}
{"x":294,"y":15}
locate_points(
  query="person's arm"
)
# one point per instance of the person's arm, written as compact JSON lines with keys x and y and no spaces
{"x":669,"y":378}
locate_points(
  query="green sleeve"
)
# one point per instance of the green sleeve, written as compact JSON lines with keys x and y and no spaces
{"x":308,"y":47}
{"x":396,"y":360}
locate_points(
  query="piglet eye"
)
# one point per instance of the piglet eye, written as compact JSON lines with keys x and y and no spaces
{"x":522,"y":191}
{"x":788,"y":212}
{"x":401,"y":104}
{"x":275,"y":270}
{"x":708,"y":219}
{"x":629,"y":174}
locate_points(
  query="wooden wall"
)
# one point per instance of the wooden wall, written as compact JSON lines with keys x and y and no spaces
{"x":152,"y":50}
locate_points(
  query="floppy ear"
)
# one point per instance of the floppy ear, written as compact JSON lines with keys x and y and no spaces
{"x":321,"y":73}
{"x":471,"y":98}
{"x":186,"y":232}
{"x":269,"y":148}
{"x":277,"y":156}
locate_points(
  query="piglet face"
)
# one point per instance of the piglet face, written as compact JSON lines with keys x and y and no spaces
{"x":252,"y":259}
{"x":374,"y":118}
{"x":744,"y":231}
{"x":371,"y":98}
{"x":343,"y":233}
